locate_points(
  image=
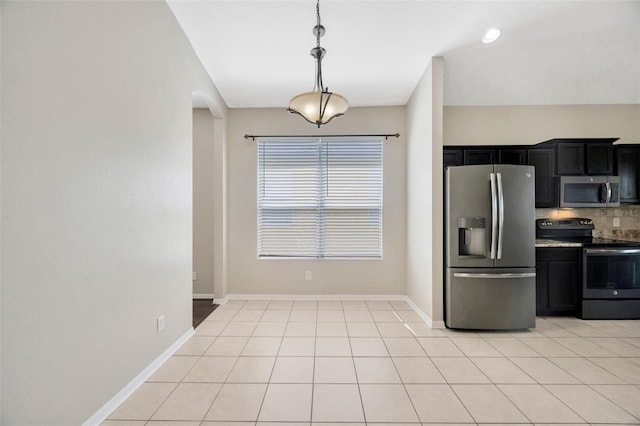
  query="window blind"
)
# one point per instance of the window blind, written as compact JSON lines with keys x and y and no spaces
{"x":320,"y":198}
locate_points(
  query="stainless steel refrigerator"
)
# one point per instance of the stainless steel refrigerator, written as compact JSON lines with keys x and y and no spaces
{"x":490,"y":247}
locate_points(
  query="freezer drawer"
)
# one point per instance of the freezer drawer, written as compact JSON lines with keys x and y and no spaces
{"x":490,"y":299}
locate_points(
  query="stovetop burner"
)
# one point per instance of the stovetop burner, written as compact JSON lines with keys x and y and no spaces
{"x":574,"y":230}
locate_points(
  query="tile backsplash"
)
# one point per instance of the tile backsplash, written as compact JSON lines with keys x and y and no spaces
{"x":603,"y":218}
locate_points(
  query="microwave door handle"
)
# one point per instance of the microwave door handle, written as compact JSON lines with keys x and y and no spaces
{"x":500,"y":215}
{"x":602,"y":193}
{"x":608,"y":192}
{"x":494,"y":216}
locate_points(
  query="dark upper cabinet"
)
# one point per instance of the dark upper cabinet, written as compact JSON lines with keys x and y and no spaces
{"x":629,"y":172}
{"x":558,"y":157}
{"x":585,"y":158}
{"x":516,"y":156}
{"x":570,"y":158}
{"x":480,"y":156}
{"x":467,"y":155}
{"x":452,"y":157}
{"x":557,"y":280}
{"x":599,"y":158}
{"x":543,"y":159}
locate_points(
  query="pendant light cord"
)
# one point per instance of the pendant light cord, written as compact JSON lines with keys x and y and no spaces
{"x":318,"y":25}
{"x":319,"y":30}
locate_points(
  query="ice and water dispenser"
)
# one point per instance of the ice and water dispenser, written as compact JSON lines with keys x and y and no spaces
{"x":471,"y":236}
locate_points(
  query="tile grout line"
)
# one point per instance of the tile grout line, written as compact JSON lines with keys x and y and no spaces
{"x":227,"y":375}
{"x":482,"y":337}
{"x":612,"y":401}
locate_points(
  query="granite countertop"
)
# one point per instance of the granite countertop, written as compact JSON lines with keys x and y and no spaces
{"x":546,"y":242}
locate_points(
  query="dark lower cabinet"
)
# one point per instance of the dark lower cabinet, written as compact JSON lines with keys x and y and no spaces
{"x":557,"y":280}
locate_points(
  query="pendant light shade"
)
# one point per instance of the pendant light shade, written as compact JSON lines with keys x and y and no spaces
{"x":319,"y":106}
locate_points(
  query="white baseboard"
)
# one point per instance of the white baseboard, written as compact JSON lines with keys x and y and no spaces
{"x":203,"y":296}
{"x":438,"y":324}
{"x":395,"y":297}
{"x":108,"y":408}
{"x":222,"y":301}
{"x":426,"y":318}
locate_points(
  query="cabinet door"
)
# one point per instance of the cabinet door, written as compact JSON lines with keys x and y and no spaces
{"x":563,"y":286}
{"x":546,"y":187}
{"x":557,"y":280}
{"x":542,"y":285}
{"x":452,"y":157}
{"x":479,"y":156}
{"x":629,"y":172}
{"x":570,"y":158}
{"x":512,"y":156}
{"x":599,"y":158}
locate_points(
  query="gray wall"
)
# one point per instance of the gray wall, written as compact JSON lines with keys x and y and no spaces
{"x":248,"y":274}
{"x":531,"y":124}
{"x":204,"y":202}
{"x":1,"y":13}
{"x":424,"y":194}
{"x":96,"y":213}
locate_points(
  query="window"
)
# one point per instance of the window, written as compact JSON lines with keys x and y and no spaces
{"x":320,"y":197}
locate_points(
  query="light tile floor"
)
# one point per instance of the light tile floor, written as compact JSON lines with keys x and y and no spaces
{"x":357,"y":362}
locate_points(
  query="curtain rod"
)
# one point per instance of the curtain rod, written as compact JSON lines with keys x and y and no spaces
{"x":385,"y":135}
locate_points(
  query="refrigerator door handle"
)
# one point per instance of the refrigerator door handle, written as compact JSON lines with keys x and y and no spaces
{"x":494,"y":216}
{"x":500,"y":215}
{"x":493,"y":276}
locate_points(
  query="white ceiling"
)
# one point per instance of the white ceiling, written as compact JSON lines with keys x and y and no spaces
{"x":551,"y":52}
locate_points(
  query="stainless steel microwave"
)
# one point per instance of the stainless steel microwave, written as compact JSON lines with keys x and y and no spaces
{"x":589,"y":191}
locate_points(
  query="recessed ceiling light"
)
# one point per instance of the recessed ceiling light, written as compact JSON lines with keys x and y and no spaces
{"x":491,"y":35}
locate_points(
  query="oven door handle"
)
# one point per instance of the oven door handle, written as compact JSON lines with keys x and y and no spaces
{"x":613,"y":251}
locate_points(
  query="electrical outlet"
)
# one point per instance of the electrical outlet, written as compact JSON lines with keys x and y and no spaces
{"x":307,"y":275}
{"x":160,"y":323}
{"x":195,"y":276}
{"x":616,"y":222}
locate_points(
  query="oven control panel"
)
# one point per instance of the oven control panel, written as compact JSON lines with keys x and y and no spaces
{"x":568,"y":224}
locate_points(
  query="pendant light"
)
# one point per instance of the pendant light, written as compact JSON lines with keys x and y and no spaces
{"x":319,"y":106}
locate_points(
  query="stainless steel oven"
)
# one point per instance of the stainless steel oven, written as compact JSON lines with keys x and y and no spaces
{"x":611,"y":282}
{"x":610,"y":269}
